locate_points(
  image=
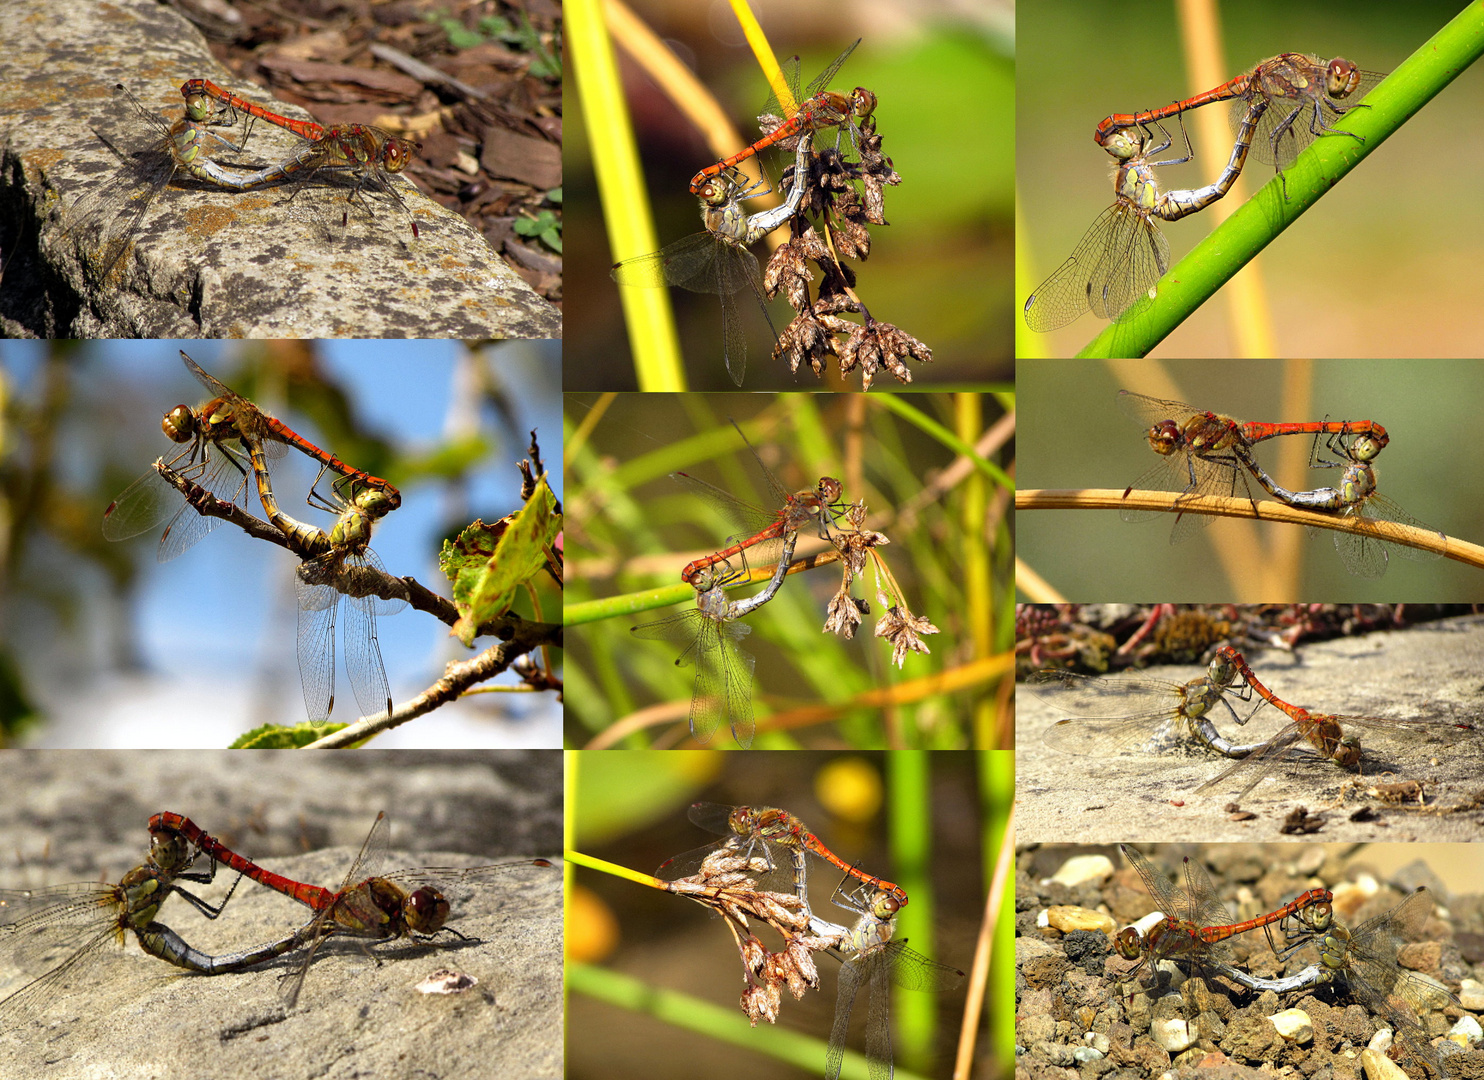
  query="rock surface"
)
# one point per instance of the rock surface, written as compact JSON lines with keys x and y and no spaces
{"x":207,"y":262}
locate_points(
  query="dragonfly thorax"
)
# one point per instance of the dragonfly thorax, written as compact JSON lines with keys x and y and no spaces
{"x":352,"y":532}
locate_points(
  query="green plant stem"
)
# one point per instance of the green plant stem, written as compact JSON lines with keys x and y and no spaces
{"x":725,"y":1025}
{"x":920,"y":419}
{"x":1234,"y":243}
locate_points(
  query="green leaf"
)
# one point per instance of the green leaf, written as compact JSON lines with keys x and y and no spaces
{"x":278,"y":737}
{"x":487,"y":564}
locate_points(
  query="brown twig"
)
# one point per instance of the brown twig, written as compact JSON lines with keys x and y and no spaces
{"x":1175,"y":502}
{"x":457,"y":677}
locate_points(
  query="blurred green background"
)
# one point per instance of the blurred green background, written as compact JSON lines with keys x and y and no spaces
{"x":941,"y":271}
{"x":1387,"y":264}
{"x":1076,"y":436}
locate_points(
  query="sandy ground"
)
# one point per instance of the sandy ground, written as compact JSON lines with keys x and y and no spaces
{"x":1070,"y":1013}
{"x":1428,"y":672}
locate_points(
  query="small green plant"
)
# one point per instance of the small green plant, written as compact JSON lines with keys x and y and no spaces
{"x":545,"y":225}
{"x":546,"y":62}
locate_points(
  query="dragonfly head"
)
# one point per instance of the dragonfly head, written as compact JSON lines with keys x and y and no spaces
{"x":198,"y":105}
{"x":1124,"y":143}
{"x":397,"y":154}
{"x":1366,"y":446}
{"x":375,"y":503}
{"x":1165,"y":437}
{"x":714,"y":191}
{"x":426,"y":910}
{"x":884,"y":905}
{"x":179,"y":424}
{"x":169,"y":850}
{"x":1130,"y":943}
{"x":862,"y":102}
{"x":1348,"y":751}
{"x":1221,"y":671}
{"x":1341,"y":77}
{"x":1318,"y":916}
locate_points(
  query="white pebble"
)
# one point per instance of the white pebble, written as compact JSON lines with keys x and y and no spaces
{"x":1294,"y":1025}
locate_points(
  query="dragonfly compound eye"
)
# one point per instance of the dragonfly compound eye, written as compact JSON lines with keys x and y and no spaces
{"x":426,"y":910}
{"x":1128,"y":943}
{"x":168,"y":849}
{"x":179,"y":424}
{"x":1341,"y":77}
{"x":374,"y":502}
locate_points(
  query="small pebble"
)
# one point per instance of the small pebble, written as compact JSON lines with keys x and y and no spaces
{"x":1471,"y":995}
{"x":1057,"y":1054}
{"x":1069,"y":917}
{"x":1378,"y":1066}
{"x":1294,"y":1025}
{"x":1098,"y":1041}
{"x":1173,"y":1035}
{"x":1087,"y":1053}
{"x":1466,"y":1031}
{"x":1081,"y":869}
{"x":1310,"y":859}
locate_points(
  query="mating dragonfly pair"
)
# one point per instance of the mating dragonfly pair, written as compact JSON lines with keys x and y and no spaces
{"x":227,"y":445}
{"x":358,"y":157}
{"x":82,"y":922}
{"x":1278,"y":108}
{"x":760,"y":869}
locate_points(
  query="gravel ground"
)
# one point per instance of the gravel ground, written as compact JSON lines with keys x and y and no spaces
{"x":1071,"y":1018}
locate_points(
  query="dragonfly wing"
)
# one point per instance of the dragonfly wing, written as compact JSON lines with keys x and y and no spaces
{"x":707,"y":700}
{"x":737,"y":665}
{"x":850,"y":979}
{"x":317,"y":606}
{"x":363,"y":661}
{"x":734,"y":341}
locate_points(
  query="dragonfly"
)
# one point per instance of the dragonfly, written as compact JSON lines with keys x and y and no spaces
{"x":1326,"y":732}
{"x":409,"y":903}
{"x":1304,"y":95}
{"x":781,"y":840}
{"x":81,"y":922}
{"x":212,"y":457}
{"x":250,"y":421}
{"x":1356,"y":497}
{"x":876,"y":962}
{"x":1196,"y":922}
{"x":1203,"y":453}
{"x":717,"y":260}
{"x":369,"y":155}
{"x":153,"y":153}
{"x":341,"y":563}
{"x":764,"y":530}
{"x":1113,"y":269}
{"x":1365,"y":959}
{"x":1149,"y":710}
{"x":712,"y":634}
{"x":817,"y":110}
